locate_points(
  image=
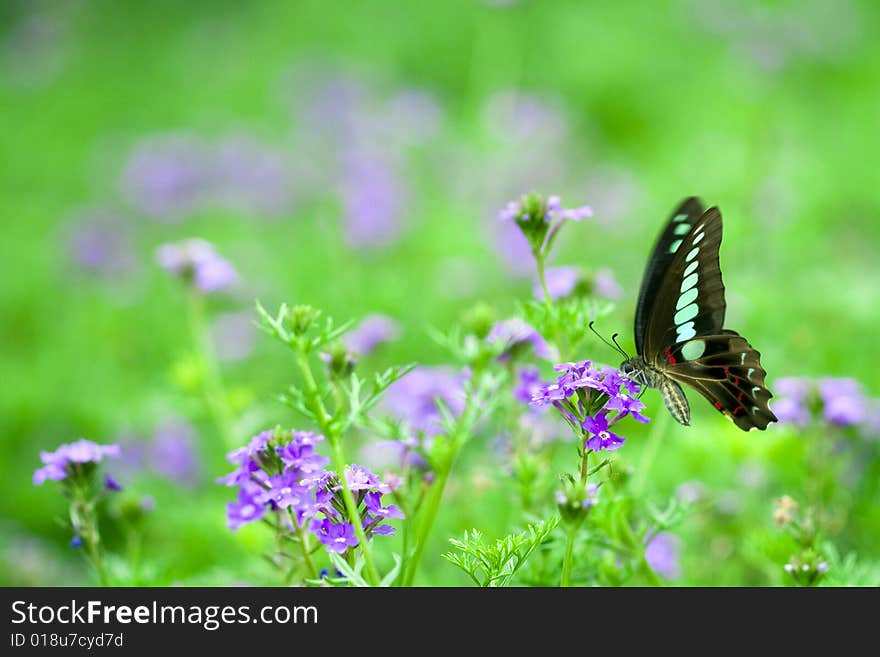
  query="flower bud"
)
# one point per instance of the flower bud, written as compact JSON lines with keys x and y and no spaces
{"x":300,"y":318}
{"x":339,"y":360}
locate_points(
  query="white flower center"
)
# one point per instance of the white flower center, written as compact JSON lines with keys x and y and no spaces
{"x":247,"y":510}
{"x":604,"y":435}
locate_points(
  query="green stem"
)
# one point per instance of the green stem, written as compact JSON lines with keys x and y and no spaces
{"x":566,"y":560}
{"x":331,"y":432}
{"x":655,"y":438}
{"x":304,"y":545}
{"x":548,"y":304}
{"x":427,"y":517}
{"x":82,"y":514}
{"x":585,"y":461}
{"x":213,"y":389}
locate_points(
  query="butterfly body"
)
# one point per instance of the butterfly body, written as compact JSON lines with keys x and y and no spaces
{"x":680,"y":337}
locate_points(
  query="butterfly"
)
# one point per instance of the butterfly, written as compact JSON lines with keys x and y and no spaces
{"x":679,"y":326}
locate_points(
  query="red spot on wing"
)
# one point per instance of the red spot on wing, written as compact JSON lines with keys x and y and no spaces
{"x":735,"y":381}
{"x":738,"y":410}
{"x":669,"y":355}
{"x":739,"y":397}
{"x":726,"y":369}
{"x":718,"y":405}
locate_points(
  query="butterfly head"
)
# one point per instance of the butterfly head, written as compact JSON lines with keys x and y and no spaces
{"x":636,"y":370}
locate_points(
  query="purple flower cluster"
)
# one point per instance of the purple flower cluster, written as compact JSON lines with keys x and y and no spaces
{"x":413,"y":399}
{"x":515,"y":334}
{"x":68,"y":458}
{"x":838,"y":401}
{"x":281,"y":471}
{"x":168,"y":177}
{"x":196,"y":261}
{"x":592,"y":400}
{"x":370,"y":333}
{"x":565,"y":281}
{"x":661,"y":553}
{"x":515,"y":211}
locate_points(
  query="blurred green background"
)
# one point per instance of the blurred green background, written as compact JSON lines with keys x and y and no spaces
{"x":364,"y":150}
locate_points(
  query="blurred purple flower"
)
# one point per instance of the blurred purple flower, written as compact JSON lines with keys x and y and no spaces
{"x":196,"y":260}
{"x":515,"y":334}
{"x":844,"y":403}
{"x":412,"y":398}
{"x":372,"y":331}
{"x":604,"y":284}
{"x":528,"y":383}
{"x":233,"y":335}
{"x":561,"y":282}
{"x":58,"y":464}
{"x":795,"y":387}
{"x":522,"y":117}
{"x":397,"y":454}
{"x":99,"y":242}
{"x":661,"y":553}
{"x":372,"y":198}
{"x":173,"y":451}
{"x":167,"y":177}
{"x":111,"y":484}
{"x":791,"y":411}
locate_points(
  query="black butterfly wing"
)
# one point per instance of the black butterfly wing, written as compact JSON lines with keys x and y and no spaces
{"x":689,"y":299}
{"x":686,"y":214}
{"x":727,"y":371}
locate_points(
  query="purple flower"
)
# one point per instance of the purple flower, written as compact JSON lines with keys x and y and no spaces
{"x":371,"y":332}
{"x":604,"y":284}
{"x":844,"y":403}
{"x":627,"y":406}
{"x":372,"y":200}
{"x":791,"y":410}
{"x":794,"y":387}
{"x":173,"y":452}
{"x":374,"y":506}
{"x":247,"y":459}
{"x":300,"y":454}
{"x":555,"y":210}
{"x":412,"y":398}
{"x":515,"y":334}
{"x":528,"y":384}
{"x":561,"y":282}
{"x":661,"y":553}
{"x":247,"y":509}
{"x":111,"y":484}
{"x":100,"y":242}
{"x":57,"y":464}
{"x":359,"y":478}
{"x":196,"y":261}
{"x":399,"y":454}
{"x":601,"y":438}
{"x":336,"y":537}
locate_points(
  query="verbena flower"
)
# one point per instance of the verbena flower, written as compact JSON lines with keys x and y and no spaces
{"x":561,"y":282}
{"x":65,"y":460}
{"x":528,"y":382}
{"x":371,"y":332}
{"x":281,"y":472}
{"x":540,"y":219}
{"x":838,"y":401}
{"x":661,"y":553}
{"x":373,"y":199}
{"x":592,"y":400}
{"x":843,"y":401}
{"x":196,"y":261}
{"x":172,"y":452}
{"x":335,"y":536}
{"x":604,"y":284}
{"x":412,"y":399}
{"x":516,"y":335}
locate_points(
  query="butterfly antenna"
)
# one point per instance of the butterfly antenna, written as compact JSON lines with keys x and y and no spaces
{"x":613,"y":344}
{"x":617,"y":344}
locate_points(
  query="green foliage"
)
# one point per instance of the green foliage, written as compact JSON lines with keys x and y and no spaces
{"x":496,"y":564}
